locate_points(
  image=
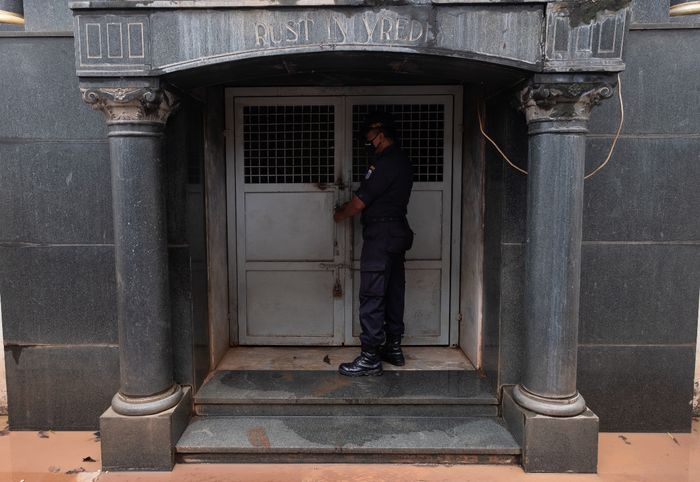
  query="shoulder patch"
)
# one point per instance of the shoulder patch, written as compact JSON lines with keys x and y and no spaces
{"x":370,"y":171}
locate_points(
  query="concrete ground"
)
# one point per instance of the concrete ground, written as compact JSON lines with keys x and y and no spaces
{"x":75,"y":456}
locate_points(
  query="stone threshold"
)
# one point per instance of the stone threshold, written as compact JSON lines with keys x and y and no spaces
{"x":348,"y":439}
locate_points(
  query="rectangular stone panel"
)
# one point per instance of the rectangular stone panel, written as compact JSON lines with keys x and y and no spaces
{"x":659,"y":85}
{"x":639,"y":294}
{"x":41,"y":91}
{"x":512,"y":314}
{"x":55,"y":192}
{"x":647,"y":192}
{"x":511,"y":33}
{"x":60,"y":388}
{"x":579,"y":38}
{"x":181,"y":314}
{"x":112,"y":43}
{"x":58,"y":294}
{"x":638,"y":388}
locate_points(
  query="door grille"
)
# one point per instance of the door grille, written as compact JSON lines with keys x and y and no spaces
{"x":289,"y":144}
{"x":421,"y":135}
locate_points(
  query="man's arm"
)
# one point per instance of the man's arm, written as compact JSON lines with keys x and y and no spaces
{"x":349,"y":209}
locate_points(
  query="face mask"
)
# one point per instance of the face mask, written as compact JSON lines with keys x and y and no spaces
{"x":369,"y":146}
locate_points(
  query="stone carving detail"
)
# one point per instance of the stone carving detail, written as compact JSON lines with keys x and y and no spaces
{"x":585,"y":36}
{"x":121,"y":104}
{"x":562,"y":101}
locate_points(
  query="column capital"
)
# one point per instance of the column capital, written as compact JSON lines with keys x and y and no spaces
{"x":561,"y":103}
{"x":146,"y":105}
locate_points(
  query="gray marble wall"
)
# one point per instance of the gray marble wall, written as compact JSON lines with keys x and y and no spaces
{"x":57,"y":281}
{"x":641,"y":253}
{"x":641,"y":240}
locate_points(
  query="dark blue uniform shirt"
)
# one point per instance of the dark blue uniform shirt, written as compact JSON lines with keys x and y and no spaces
{"x":386,"y":187}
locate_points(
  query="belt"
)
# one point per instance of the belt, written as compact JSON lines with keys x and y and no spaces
{"x":384,"y":219}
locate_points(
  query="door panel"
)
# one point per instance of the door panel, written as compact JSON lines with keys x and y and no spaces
{"x":424,"y":125}
{"x":298,"y":271}
{"x":287,"y":303}
{"x":288,"y":226}
{"x":289,"y":248}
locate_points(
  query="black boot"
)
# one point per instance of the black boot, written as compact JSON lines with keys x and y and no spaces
{"x":368,"y":363}
{"x":390,"y":351}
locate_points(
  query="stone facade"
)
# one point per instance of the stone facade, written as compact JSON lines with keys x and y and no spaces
{"x":639,"y":259}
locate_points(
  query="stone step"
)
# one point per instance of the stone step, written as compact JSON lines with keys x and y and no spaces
{"x":445,"y":393}
{"x":348,"y":439}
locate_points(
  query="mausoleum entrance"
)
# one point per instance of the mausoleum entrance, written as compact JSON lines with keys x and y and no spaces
{"x":135,"y":59}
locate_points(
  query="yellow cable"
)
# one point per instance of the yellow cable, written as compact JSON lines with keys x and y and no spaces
{"x":481,"y":127}
{"x":612,"y":148}
{"x":619,"y":129}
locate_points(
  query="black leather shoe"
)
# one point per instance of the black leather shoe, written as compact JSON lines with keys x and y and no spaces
{"x":390,"y":351}
{"x":367,"y":364}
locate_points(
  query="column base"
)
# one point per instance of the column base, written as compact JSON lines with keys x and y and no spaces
{"x":144,"y":442}
{"x":553,"y":444}
{"x":564,"y":407}
{"x":125,"y":405}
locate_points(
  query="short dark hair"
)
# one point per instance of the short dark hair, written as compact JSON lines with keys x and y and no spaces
{"x":382,"y":122}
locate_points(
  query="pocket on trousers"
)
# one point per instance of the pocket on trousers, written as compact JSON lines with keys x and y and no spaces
{"x":372,"y":279}
{"x":400,"y":239}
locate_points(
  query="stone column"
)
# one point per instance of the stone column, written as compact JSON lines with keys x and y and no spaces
{"x":557,"y":108}
{"x":136,"y":117}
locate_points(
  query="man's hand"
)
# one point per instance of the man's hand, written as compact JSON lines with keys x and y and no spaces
{"x":349,"y":209}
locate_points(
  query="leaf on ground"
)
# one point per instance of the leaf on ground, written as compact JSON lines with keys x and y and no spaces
{"x":54,"y":470}
{"x":75,"y":471}
{"x":89,"y":459}
{"x":675,"y":440}
{"x":42,"y":434}
{"x":624,"y":439}
{"x":327,"y":359}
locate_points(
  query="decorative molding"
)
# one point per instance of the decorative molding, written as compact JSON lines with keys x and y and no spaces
{"x":124,"y":104}
{"x":583,"y":36}
{"x":113,"y":43}
{"x":565,"y":101}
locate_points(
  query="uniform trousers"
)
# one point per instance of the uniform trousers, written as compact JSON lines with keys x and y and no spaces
{"x":383,"y":281}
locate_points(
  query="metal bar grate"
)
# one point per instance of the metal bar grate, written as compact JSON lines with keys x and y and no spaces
{"x":289,"y":144}
{"x":421,"y":135}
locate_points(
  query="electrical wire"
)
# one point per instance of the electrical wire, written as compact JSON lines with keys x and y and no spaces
{"x":619,"y":130}
{"x":481,"y":127}
{"x":588,"y":176}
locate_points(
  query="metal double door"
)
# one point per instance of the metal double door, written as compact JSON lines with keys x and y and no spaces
{"x":296,"y":270}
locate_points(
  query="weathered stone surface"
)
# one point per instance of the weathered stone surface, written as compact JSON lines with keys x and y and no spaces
{"x":647,"y":192}
{"x":512,"y":323}
{"x":55,"y":192}
{"x":42,"y":70}
{"x":59,"y":387}
{"x":347,"y":435}
{"x":43,"y":16}
{"x":143,"y":442}
{"x":553,"y":444}
{"x":396,"y":387}
{"x":630,"y":293}
{"x":585,"y":36}
{"x":138,"y":42}
{"x":639,"y":388}
{"x":660,"y":64}
{"x":60,"y":294}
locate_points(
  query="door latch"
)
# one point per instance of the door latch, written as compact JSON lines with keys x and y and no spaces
{"x":337,"y":289}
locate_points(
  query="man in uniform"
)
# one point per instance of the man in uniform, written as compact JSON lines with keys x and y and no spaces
{"x":382,"y":199}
